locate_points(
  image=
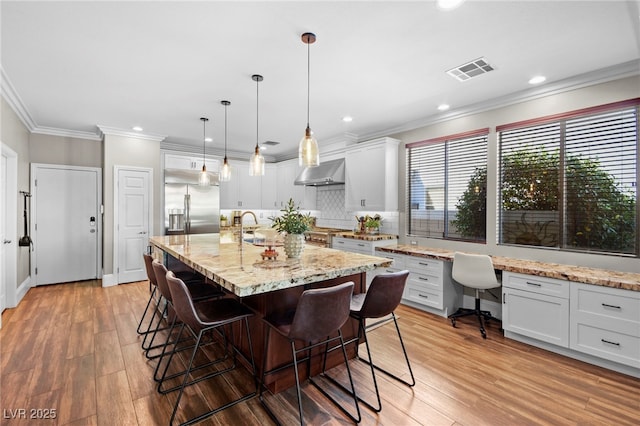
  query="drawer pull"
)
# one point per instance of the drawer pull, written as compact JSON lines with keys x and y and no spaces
{"x":609,"y":342}
{"x":390,"y":271}
{"x":611,"y":306}
{"x":535,"y":284}
{"x":423,"y":278}
{"x":423,"y":296}
{"x":360,"y":245}
{"x":424,"y":264}
{"x":340,"y":242}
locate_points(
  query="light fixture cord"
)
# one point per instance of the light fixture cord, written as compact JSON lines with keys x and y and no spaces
{"x":257,"y":111}
{"x":308,"y":77}
{"x":204,"y":137}
{"x":225,"y":132}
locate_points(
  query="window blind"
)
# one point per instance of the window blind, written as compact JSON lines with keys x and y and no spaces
{"x":446,"y":188}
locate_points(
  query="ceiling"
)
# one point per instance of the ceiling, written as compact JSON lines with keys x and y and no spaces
{"x":70,"y":67}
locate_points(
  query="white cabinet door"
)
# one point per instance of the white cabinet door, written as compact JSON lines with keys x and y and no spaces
{"x":269,"y":186}
{"x":189,"y":162}
{"x":250,"y":188}
{"x":303,"y":196}
{"x":371,"y":176}
{"x":536,"y":315}
{"x":229,"y":190}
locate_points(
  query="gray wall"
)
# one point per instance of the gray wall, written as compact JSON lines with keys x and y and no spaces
{"x":67,"y":151}
{"x":618,"y":90}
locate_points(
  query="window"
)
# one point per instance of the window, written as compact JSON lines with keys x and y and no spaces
{"x":570,"y":181}
{"x":446,"y":188}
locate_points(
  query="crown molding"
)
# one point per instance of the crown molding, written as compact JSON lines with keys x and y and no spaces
{"x":10,"y":95}
{"x":616,"y":72}
{"x":211,"y":152}
{"x":113,"y":131}
{"x":66,"y":133}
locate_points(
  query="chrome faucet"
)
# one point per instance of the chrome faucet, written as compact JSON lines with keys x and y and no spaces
{"x":255,"y":218}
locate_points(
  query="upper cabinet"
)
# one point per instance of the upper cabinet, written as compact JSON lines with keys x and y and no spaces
{"x":371,"y":176}
{"x":269,"y":187}
{"x":303,"y":196}
{"x":242,"y":191}
{"x":186,"y":162}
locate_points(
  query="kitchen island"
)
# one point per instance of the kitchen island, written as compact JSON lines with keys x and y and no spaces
{"x":269,"y":286}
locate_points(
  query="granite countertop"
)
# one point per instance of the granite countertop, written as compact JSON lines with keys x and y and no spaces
{"x":244,"y":273}
{"x":595,"y":276}
{"x":365,"y":237}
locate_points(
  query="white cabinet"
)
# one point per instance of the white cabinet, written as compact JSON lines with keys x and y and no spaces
{"x":363,"y":247}
{"x":536,"y":307}
{"x":186,"y":162}
{"x":242,"y":191}
{"x":371,"y":176}
{"x":303,"y":196}
{"x":269,"y":188}
{"x":605,"y":322}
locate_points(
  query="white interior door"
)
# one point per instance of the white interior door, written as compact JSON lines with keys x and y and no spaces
{"x":66,"y":223}
{"x":133,"y":222}
{"x":3,"y":234}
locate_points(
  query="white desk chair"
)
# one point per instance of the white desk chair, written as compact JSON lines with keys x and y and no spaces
{"x":474,"y":271}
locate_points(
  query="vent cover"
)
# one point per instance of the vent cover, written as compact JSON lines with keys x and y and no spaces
{"x":270,"y":143}
{"x":470,"y":69}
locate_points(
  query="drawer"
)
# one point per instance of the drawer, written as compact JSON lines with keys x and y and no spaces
{"x":420,"y":264}
{"x":539,"y":285}
{"x":605,"y":303}
{"x":426,"y":281}
{"x":398,"y":259}
{"x":356,"y":246}
{"x":424,"y":296}
{"x":608,"y":344}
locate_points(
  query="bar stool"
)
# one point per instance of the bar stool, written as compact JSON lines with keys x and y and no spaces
{"x":200,"y":319}
{"x":319,"y":314}
{"x":381,"y":299}
{"x":198,"y":290}
{"x":153,"y":289}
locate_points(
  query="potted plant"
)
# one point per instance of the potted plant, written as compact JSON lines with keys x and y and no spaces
{"x":294,"y":224}
{"x":223,"y":220}
{"x":372,"y":224}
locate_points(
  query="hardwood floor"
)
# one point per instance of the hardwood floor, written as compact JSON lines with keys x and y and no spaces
{"x":73,"y":348}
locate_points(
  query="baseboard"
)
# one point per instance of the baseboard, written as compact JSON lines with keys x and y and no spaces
{"x":109,"y":280}
{"x":22,"y":289}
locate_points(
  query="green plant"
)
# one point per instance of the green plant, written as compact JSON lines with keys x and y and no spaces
{"x":372,"y":221}
{"x":291,"y":221}
{"x":223,"y":217}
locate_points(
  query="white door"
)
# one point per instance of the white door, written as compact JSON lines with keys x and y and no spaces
{"x":65,"y":223}
{"x":3,"y":234}
{"x":133,"y":222}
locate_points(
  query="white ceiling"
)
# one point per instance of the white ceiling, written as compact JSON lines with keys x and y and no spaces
{"x":73,"y":66}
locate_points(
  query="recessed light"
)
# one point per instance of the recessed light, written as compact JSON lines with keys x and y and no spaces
{"x":443,"y":107}
{"x":449,"y":4}
{"x":347,"y":119}
{"x":208,"y":140}
{"x":138,"y":128}
{"x":537,"y":79}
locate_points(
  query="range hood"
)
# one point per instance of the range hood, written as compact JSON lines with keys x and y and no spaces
{"x":327,"y":173}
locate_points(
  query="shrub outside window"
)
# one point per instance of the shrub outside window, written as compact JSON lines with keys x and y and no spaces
{"x":570,"y":181}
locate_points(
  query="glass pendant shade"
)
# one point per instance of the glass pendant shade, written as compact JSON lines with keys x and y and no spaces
{"x":204,"y":179}
{"x":256,"y":164}
{"x":308,"y":154}
{"x":225,"y":171}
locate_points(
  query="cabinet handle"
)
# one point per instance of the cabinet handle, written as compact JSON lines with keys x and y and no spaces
{"x":390,"y":271}
{"x":423,"y":278}
{"x":504,"y":298}
{"x":423,"y":264}
{"x":535,"y":284}
{"x":610,"y":343}
{"x":340,"y":242}
{"x":611,"y":306}
{"x":360,"y":245}
{"x":423,"y":296}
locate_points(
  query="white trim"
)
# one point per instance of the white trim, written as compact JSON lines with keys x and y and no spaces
{"x":116,"y":171}
{"x":23,"y":289}
{"x":11,"y":252}
{"x":10,"y":95}
{"x":53,"y":131}
{"x":32,"y":213}
{"x":109,"y":280}
{"x":106,"y":130}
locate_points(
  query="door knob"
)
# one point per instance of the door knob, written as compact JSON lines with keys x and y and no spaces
{"x":6,"y":242}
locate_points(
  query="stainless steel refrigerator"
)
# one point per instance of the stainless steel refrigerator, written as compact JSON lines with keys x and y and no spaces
{"x":188,"y":207}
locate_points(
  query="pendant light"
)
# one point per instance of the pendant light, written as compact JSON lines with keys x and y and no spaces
{"x":204,"y":176}
{"x":256,"y":164}
{"x":225,"y":169}
{"x":308,"y":154}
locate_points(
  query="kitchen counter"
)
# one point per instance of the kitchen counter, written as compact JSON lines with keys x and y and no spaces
{"x":244,"y":273}
{"x":366,"y":237}
{"x":594,"y":276}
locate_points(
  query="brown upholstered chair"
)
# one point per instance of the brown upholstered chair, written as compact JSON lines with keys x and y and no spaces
{"x":320,"y":313}
{"x":381,"y":299}
{"x":200,"y":319}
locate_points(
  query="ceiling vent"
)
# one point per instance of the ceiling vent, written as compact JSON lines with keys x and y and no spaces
{"x":470,"y":69}
{"x":270,"y":143}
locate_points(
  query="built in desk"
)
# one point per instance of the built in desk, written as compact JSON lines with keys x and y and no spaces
{"x":269,"y":286}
